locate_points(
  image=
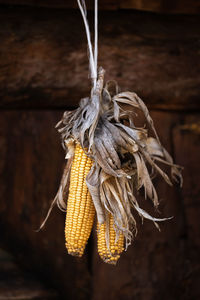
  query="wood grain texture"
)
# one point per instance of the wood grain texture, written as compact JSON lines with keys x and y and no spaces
{"x":159,"y":265}
{"x":186,"y":138}
{"x":166,"y":6}
{"x":43,"y":61}
{"x":169,"y":6}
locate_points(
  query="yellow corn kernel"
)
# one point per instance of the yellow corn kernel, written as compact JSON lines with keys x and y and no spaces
{"x":80,"y":207}
{"x":112,"y":254}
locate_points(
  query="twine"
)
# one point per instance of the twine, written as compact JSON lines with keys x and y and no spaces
{"x":93,"y":51}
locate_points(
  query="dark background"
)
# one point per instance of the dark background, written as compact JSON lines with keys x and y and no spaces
{"x":149,"y":47}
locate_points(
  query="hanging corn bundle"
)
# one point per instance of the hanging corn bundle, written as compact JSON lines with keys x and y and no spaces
{"x":109,"y":158}
{"x":107,"y":164}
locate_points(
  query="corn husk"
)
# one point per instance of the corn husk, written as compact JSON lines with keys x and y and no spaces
{"x":125,"y":156}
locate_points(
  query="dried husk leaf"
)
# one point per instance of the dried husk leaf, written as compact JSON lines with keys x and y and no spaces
{"x":122,"y":154}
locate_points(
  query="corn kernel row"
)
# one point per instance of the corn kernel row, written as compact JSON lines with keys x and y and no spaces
{"x":112,"y":254}
{"x":80,"y":207}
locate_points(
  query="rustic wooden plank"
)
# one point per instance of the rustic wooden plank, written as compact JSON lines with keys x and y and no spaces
{"x":31,"y":165}
{"x":44,"y":64}
{"x":69,"y":4}
{"x":176,"y":6}
{"x":153,"y":267}
{"x":187,"y":147}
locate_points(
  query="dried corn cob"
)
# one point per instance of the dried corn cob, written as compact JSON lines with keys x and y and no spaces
{"x":112,"y":254}
{"x":80,"y":208}
{"x":121,"y":152}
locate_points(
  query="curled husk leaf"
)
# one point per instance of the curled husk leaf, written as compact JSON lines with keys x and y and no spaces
{"x":125,"y":156}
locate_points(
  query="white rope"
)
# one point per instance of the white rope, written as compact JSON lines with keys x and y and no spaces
{"x":92,"y":56}
{"x":96,"y":33}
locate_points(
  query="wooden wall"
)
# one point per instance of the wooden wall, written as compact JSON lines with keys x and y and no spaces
{"x":165,"y":6}
{"x":44,"y":60}
{"x":158,"y":264}
{"x":43,"y":70}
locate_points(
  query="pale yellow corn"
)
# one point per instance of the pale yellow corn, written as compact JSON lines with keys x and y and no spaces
{"x":80,"y":207}
{"x":112,"y":254}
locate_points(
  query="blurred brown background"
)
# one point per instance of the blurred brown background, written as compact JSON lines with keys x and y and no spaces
{"x":150,"y":47}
